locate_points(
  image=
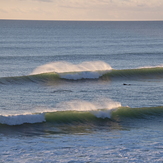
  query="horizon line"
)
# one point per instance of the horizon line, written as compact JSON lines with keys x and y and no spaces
{"x":83,"y":20}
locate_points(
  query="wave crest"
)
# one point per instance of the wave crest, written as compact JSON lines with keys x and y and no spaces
{"x":62,"y":67}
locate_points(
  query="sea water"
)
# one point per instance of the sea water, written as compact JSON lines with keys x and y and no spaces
{"x":81,"y":91}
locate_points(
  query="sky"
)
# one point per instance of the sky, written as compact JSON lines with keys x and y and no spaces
{"x":95,"y":10}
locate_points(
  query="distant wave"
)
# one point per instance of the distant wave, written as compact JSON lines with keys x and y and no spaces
{"x":64,"y":67}
{"x":94,"y":72}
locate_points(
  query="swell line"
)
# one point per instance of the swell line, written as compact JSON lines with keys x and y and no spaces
{"x":45,"y":77}
{"x":84,"y":117}
{"x":139,"y":73}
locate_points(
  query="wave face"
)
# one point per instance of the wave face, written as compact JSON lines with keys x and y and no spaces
{"x":116,"y":114}
{"x":39,"y":78}
{"x":146,"y":72}
{"x":52,"y":72}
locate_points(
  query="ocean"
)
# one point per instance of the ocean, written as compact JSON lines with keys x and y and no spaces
{"x":81,"y":91}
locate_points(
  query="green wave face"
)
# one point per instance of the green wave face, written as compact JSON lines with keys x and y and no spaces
{"x":107,"y":115}
{"x":70,"y":117}
{"x":135,"y":73}
{"x":140,"y":113}
{"x":39,"y":78}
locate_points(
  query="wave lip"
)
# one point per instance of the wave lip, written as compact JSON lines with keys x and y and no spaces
{"x":64,"y":67}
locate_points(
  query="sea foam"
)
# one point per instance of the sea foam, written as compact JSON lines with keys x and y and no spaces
{"x":81,"y":75}
{"x":21,"y":119}
{"x":101,"y":108}
{"x":62,"y":67}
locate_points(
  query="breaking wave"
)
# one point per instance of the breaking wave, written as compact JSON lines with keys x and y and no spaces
{"x":70,"y":111}
{"x":52,"y":72}
{"x":83,"y":112}
{"x":63,"y":67}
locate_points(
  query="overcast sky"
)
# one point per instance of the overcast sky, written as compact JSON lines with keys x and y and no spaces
{"x":82,"y":9}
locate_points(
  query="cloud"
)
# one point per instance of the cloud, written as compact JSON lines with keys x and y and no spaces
{"x":82,"y":9}
{"x":108,"y":4}
{"x":3,"y":11}
{"x":44,"y":0}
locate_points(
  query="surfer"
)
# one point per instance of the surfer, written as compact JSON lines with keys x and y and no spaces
{"x":126,"y":84}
